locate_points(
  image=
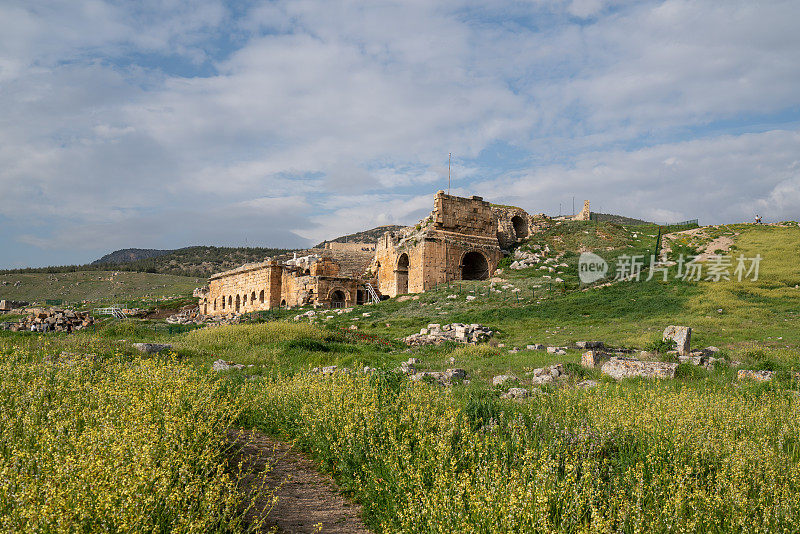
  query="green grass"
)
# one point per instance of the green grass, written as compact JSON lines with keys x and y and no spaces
{"x":95,"y":286}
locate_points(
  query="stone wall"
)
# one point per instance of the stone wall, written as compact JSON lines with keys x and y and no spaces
{"x":457,"y":241}
{"x":513,"y":224}
{"x":267,"y":285}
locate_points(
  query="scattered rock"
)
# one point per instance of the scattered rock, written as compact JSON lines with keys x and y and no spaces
{"x":515,"y":393}
{"x":758,"y":376}
{"x":586,"y":384}
{"x":583,"y":345}
{"x":152,"y":348}
{"x":222,"y":365}
{"x":502,"y":379}
{"x":436,"y":334}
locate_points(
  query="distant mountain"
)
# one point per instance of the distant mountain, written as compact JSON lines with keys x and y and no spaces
{"x":200,"y":261}
{"x":367,"y":236}
{"x":128,"y":255}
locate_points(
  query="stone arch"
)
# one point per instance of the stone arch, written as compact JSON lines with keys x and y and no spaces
{"x":215,"y":304}
{"x":520,"y":226}
{"x":338,"y":298}
{"x":474,"y":266}
{"x":230,"y":301}
{"x":223,"y":302}
{"x":238,"y":302}
{"x":261,"y":297}
{"x":205,"y":306}
{"x":253,"y":298}
{"x":283,"y":303}
{"x":401,"y":274}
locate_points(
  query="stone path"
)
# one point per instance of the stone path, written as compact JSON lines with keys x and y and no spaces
{"x":307,"y":501}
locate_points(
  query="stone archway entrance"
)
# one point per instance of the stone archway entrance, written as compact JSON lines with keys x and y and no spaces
{"x":401,"y":274}
{"x":338,"y":299}
{"x":520,"y":226}
{"x":474,"y":266}
{"x":238,"y":301}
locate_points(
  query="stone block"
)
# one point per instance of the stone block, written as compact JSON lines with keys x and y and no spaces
{"x":593,"y":358}
{"x":682,"y":335}
{"x":619,"y":368}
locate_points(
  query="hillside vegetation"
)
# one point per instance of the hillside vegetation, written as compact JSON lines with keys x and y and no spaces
{"x":703,"y":452}
{"x":95,"y":286}
{"x":200,"y":261}
{"x":367,"y":236}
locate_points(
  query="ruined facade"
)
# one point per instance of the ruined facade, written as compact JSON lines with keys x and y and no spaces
{"x":461,"y":239}
{"x":260,"y":286}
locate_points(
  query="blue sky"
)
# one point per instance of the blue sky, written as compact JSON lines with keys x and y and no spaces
{"x":161,"y":124}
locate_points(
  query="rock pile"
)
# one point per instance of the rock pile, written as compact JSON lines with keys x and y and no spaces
{"x":703,"y":358}
{"x":545,"y":375}
{"x":444,"y":378}
{"x":436,"y":334}
{"x":187,"y":315}
{"x":53,"y":320}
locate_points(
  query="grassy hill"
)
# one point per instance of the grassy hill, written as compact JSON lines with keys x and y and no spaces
{"x":199,"y":261}
{"x":95,"y":286}
{"x":703,"y":452}
{"x":128,"y":255}
{"x":367,"y":236}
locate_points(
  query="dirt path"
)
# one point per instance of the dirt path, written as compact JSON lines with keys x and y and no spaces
{"x":307,"y":501}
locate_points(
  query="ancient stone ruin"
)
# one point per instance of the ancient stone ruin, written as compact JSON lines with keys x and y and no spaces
{"x":462,"y":239}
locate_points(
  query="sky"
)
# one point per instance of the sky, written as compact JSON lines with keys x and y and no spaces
{"x":164,"y":124}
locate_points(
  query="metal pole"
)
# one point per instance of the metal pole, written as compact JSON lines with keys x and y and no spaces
{"x":449,"y":157}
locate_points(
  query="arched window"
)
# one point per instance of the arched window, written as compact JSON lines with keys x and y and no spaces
{"x":237,"y":302}
{"x":223,"y":302}
{"x":261,"y":297}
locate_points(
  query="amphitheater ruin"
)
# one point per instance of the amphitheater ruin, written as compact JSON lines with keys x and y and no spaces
{"x":461,"y":239}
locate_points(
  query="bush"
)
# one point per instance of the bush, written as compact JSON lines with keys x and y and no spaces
{"x":660,"y":345}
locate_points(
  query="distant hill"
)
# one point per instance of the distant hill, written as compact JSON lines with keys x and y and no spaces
{"x":199,"y":261}
{"x":367,"y":236}
{"x":128,"y":255}
{"x":619,"y":219}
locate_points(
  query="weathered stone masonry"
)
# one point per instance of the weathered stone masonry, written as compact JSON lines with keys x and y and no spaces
{"x":461,"y":239}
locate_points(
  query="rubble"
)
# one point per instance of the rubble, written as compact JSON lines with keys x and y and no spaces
{"x":53,"y":320}
{"x":151,"y":348}
{"x":515,"y":393}
{"x":444,"y":378}
{"x":546,"y":375}
{"x":620,"y":367}
{"x":524,"y":259}
{"x":703,"y":358}
{"x":222,"y":365}
{"x":502,"y":379}
{"x":758,"y":376}
{"x":436,"y":334}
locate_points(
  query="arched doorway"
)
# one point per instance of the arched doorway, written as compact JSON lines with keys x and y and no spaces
{"x":360,"y":296}
{"x":337,"y":299}
{"x":474,"y":266}
{"x":238,"y":301}
{"x":520,"y":226}
{"x":401,"y":274}
{"x":205,"y":306}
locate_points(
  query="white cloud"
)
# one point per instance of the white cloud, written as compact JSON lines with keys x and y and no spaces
{"x":122,"y":113}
